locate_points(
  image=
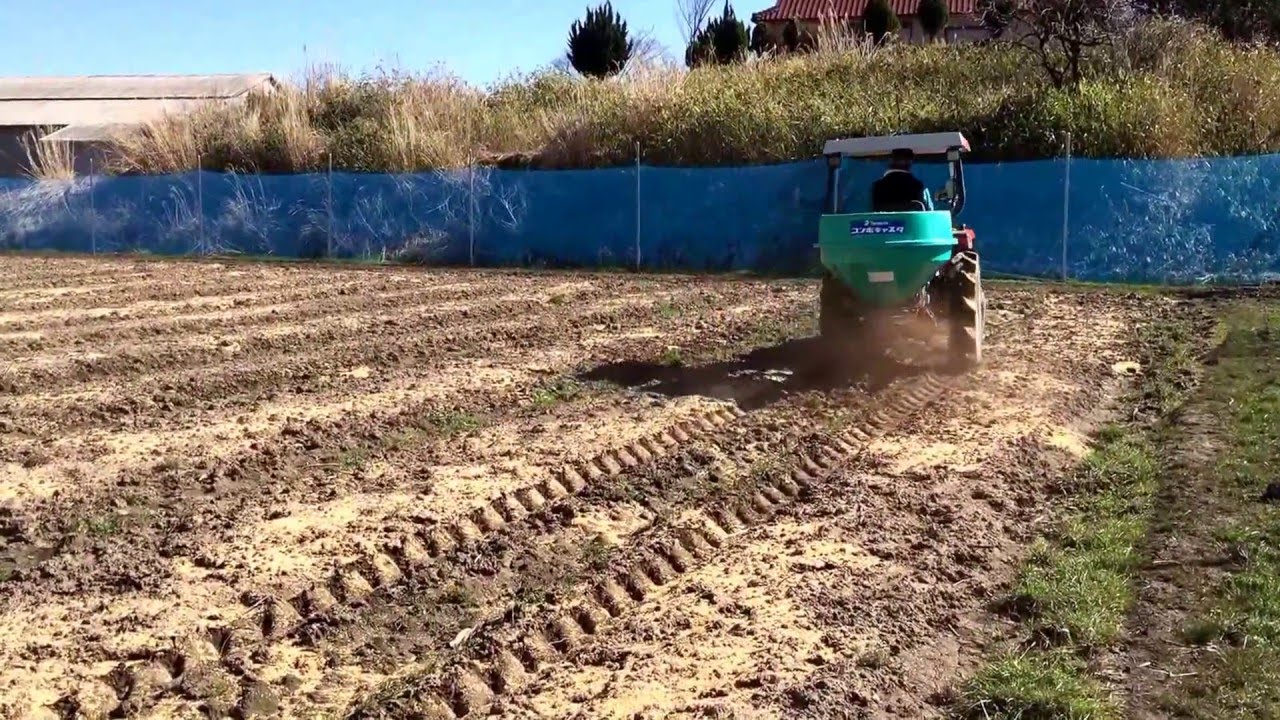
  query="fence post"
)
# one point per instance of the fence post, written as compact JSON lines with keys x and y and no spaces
{"x":93,"y":212}
{"x":1066,"y":207}
{"x":200,"y":201}
{"x":471,"y":211}
{"x":637,"y":206}
{"x":328,"y":249}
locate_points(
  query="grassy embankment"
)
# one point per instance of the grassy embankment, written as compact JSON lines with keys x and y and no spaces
{"x":1163,"y":90}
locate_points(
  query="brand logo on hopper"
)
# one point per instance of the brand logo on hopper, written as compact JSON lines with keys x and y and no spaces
{"x":878,"y":227}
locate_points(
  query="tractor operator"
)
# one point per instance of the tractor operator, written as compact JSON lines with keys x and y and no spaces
{"x":898,"y":190}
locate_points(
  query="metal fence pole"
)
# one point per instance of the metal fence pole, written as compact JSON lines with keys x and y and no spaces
{"x":328,"y":250}
{"x":1066,"y":207}
{"x":637,"y":206}
{"x":93,"y":212}
{"x":200,"y":202}
{"x":471,"y":211}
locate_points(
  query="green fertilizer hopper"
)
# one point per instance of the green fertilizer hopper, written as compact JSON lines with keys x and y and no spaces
{"x":905,"y":254}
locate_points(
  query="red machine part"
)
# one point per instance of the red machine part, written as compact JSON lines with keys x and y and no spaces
{"x":964,"y":238}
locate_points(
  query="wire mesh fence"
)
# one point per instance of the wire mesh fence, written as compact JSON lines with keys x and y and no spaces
{"x":1170,"y":221}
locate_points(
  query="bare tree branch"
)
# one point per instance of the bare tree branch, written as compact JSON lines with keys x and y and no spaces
{"x":1058,"y":33}
{"x":692,"y":15}
{"x":647,"y":50}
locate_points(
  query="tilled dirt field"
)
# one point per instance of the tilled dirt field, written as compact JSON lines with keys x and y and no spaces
{"x":254,"y":490}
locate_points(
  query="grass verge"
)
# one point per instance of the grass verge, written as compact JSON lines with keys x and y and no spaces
{"x":1237,"y":631}
{"x":1077,"y":588}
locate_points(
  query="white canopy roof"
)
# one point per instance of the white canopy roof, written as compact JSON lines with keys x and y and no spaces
{"x":94,"y":107}
{"x":923,"y":144}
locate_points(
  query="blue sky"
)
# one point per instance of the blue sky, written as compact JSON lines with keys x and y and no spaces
{"x":480,"y":40}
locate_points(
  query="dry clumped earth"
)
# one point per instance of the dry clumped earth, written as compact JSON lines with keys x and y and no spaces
{"x":238,"y":490}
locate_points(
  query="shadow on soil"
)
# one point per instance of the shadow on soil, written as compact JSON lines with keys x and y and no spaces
{"x":763,"y":376}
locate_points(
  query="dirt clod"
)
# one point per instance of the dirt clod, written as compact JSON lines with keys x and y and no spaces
{"x":1272,"y":493}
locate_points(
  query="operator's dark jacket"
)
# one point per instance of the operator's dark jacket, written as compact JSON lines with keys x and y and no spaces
{"x":897,"y":191}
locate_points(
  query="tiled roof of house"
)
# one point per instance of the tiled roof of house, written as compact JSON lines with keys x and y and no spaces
{"x":813,"y":10}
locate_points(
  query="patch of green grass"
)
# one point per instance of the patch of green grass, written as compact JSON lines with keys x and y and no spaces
{"x":1035,"y":686}
{"x":764,"y":468}
{"x":672,"y":357}
{"x":1240,"y":624}
{"x":169,"y":463}
{"x":1175,"y":347}
{"x":449,"y":422}
{"x":1078,"y":585}
{"x":557,"y":392}
{"x":403,"y":439}
{"x":1239,"y":683}
{"x":595,"y":555}
{"x":1249,"y":612}
{"x":353,"y":459}
{"x":770,"y":333}
{"x":531,"y":596}
{"x":102,"y":525}
{"x":875,"y":658}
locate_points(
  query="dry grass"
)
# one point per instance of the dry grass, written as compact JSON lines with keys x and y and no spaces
{"x":1165,"y":90}
{"x":48,"y":160}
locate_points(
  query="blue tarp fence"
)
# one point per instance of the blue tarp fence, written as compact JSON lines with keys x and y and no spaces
{"x":1169,"y":221}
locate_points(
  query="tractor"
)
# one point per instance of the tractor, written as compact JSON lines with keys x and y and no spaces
{"x":879,"y":264}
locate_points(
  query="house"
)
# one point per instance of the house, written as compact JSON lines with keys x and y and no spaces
{"x":964,"y":23}
{"x":86,"y":111}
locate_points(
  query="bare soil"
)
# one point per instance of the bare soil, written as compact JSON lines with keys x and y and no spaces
{"x":237,"y":490}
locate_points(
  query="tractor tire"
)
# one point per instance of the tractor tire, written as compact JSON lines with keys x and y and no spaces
{"x":838,"y":318}
{"x":968,"y":309}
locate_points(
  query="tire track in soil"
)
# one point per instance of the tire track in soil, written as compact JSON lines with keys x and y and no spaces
{"x":29,"y":320}
{"x":351,"y":586}
{"x":223,"y":315}
{"x":269,"y":624}
{"x":624,"y":458}
{"x":501,"y":659}
{"x":381,"y":571}
{"x":155,"y":401}
{"x":127,"y":623}
{"x":121,"y":361}
{"x":38,"y":278}
{"x":480,"y":519}
{"x":288,"y":306}
{"x":28,"y":295}
{"x":348,"y":588}
{"x":89,"y":457}
{"x":296,"y":304}
{"x":221,"y":440}
{"x":186,"y":283}
{"x":63,"y":321}
{"x":383,"y":575}
{"x":153,"y":294}
{"x":498,"y":511}
{"x":226,"y":439}
{"x":54,"y":274}
{"x":511,"y":663}
{"x":371,"y":292}
{"x":941,"y":508}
